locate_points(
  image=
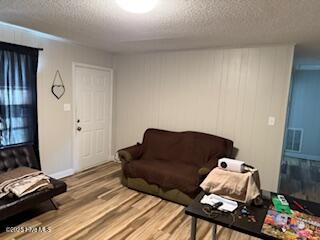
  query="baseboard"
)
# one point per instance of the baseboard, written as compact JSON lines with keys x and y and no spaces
{"x":62,"y":174}
{"x":68,"y":172}
{"x":115,"y":158}
{"x":99,"y":163}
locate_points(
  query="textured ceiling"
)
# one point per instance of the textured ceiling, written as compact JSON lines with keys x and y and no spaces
{"x":173,"y":24}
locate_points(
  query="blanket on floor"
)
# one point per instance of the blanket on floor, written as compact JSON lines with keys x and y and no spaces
{"x":21,"y":181}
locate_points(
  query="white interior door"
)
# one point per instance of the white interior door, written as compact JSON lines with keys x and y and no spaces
{"x":92,"y":115}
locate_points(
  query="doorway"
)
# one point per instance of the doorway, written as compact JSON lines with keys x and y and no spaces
{"x":300,"y":168}
{"x":92,"y":115}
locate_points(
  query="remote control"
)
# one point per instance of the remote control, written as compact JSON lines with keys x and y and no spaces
{"x":217,"y":205}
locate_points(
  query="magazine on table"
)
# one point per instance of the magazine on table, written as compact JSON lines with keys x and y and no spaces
{"x":294,"y":226}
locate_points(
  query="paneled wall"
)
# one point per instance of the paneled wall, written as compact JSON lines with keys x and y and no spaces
{"x":227,"y":92}
{"x":55,"y":125}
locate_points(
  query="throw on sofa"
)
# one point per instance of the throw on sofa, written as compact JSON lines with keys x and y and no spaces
{"x":172,"y":165}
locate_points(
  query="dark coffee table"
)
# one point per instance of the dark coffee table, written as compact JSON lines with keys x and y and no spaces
{"x":232,"y":220}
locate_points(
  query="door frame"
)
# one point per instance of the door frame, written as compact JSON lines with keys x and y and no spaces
{"x":75,"y":142}
{"x":288,"y":109}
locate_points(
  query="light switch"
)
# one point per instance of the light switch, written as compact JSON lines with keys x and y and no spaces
{"x":67,"y":107}
{"x":271,"y":121}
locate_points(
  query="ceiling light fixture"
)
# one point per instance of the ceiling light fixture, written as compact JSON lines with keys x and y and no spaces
{"x":137,"y":6}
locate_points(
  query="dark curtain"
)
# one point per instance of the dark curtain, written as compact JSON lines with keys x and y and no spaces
{"x":18,"y":96}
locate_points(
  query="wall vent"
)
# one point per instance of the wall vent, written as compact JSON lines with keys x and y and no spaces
{"x":294,"y":139}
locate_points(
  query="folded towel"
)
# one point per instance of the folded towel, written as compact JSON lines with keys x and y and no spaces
{"x":21,"y":181}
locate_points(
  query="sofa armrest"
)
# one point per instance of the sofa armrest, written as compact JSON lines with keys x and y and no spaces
{"x":130,"y":153}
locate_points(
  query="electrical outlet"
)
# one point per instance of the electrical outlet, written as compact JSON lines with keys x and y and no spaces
{"x":271,"y":121}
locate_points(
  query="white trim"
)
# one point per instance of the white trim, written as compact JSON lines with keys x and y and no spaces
{"x":75,"y":144}
{"x":308,"y":67}
{"x":111,"y":159}
{"x":111,"y":114}
{"x":92,"y":66}
{"x":74,"y":115}
{"x":62,"y":174}
{"x":37,"y":33}
{"x":97,"y":164}
{"x":116,"y":158}
{"x":302,"y":156}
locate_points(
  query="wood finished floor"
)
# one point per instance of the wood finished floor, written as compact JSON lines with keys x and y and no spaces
{"x":97,"y":206}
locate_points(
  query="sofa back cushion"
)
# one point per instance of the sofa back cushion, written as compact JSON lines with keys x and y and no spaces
{"x":17,"y":156}
{"x":188,"y":147}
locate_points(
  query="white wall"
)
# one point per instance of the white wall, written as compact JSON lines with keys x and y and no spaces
{"x":228,"y":92}
{"x":55,"y":125}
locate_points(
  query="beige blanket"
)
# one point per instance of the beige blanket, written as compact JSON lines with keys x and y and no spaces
{"x":21,"y":181}
{"x":243,"y":187}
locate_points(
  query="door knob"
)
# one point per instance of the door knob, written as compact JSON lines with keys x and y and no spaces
{"x":79,"y":129}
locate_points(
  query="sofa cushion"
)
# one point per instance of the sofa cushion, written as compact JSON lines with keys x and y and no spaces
{"x":17,"y":156}
{"x":193,"y":148}
{"x":167,"y":174}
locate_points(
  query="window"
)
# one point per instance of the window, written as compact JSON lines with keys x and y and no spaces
{"x":17,"y":126}
{"x":294,"y":139}
{"x":18,"y":95}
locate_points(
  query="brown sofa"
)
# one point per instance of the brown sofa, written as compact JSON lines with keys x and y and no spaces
{"x":172,"y":164}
